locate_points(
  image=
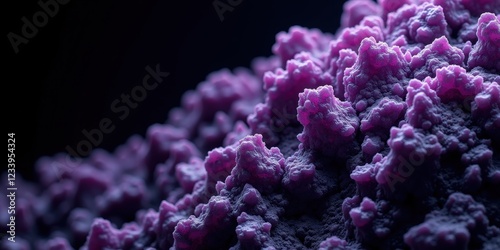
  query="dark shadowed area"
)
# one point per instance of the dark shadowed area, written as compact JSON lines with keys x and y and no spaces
{"x":75,"y":72}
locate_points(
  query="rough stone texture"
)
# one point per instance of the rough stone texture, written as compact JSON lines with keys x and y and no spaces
{"x":385,"y":135}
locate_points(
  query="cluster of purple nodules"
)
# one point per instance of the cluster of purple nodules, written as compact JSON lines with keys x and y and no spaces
{"x":385,"y":135}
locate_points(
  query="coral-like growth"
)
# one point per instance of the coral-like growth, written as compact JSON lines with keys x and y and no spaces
{"x":385,"y":135}
{"x":320,"y":112}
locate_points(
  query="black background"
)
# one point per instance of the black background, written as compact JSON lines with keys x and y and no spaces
{"x":66,"y":77}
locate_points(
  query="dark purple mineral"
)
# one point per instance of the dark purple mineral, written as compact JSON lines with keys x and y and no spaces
{"x":383,"y":136}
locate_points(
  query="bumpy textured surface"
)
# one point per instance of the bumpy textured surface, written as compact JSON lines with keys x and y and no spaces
{"x":385,"y":135}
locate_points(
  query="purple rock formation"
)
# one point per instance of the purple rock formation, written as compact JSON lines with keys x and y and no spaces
{"x":385,"y":135}
{"x":320,"y":113}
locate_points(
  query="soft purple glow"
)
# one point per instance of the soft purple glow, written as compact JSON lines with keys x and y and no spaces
{"x":385,"y":135}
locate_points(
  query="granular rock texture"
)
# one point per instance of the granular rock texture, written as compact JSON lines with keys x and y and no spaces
{"x":385,"y":135}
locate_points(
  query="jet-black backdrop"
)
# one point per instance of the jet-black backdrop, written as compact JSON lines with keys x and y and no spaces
{"x":90,"y":52}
